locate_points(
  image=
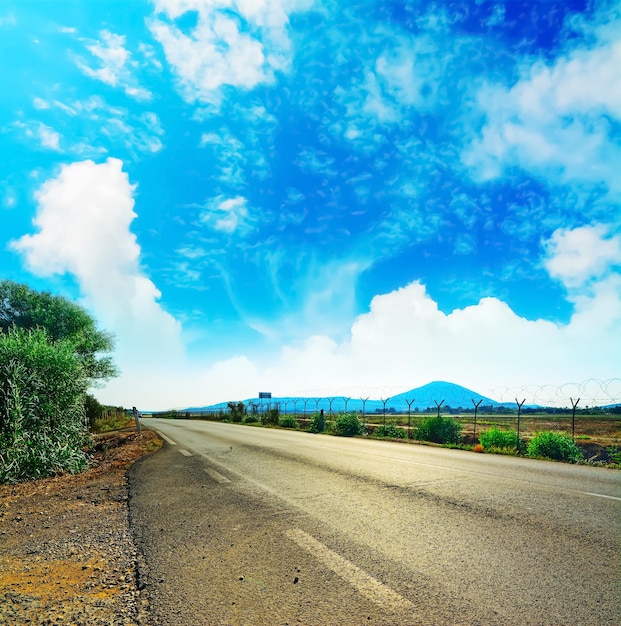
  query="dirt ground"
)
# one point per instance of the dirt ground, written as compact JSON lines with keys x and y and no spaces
{"x":66,"y":550}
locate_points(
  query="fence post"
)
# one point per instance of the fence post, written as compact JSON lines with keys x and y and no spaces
{"x":519,"y":405}
{"x":476,"y":408}
{"x":384,"y":402}
{"x":364,"y":407}
{"x":573,"y":417}
{"x":410,"y":402}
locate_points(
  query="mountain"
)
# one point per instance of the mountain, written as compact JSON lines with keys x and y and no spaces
{"x":449,"y":394}
{"x":432,"y":394}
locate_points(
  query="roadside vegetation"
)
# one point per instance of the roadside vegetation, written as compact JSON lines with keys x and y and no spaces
{"x":597,"y":438}
{"x":51,"y":353}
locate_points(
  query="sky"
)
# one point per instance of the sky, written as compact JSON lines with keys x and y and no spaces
{"x":321,"y":197}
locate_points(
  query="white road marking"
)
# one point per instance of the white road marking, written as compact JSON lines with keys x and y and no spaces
{"x":601,"y":495}
{"x":217,"y":476}
{"x":185,"y":453}
{"x":165,"y":438}
{"x":368,"y":586}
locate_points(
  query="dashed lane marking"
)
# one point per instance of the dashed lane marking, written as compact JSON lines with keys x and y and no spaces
{"x":601,"y":495}
{"x":368,"y":586}
{"x":185,"y":453}
{"x":217,"y":476}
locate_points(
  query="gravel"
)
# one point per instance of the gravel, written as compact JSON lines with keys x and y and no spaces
{"x":68,"y":555}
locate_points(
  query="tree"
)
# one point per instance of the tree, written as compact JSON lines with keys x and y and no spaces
{"x":63,"y":320}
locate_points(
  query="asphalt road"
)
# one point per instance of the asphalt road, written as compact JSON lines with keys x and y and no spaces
{"x":243,"y":526}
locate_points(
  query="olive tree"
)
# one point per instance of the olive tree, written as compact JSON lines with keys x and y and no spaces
{"x":22,"y":307}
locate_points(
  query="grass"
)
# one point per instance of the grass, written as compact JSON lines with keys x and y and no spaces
{"x":109,"y":421}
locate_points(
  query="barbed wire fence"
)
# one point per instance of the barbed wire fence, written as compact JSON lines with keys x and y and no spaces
{"x":592,"y":392}
{"x":567,"y":407}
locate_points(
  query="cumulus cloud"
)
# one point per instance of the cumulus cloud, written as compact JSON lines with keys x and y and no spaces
{"x":83,"y":229}
{"x":559,"y":118}
{"x":405,"y":341}
{"x":241,"y":43}
{"x":578,"y":255}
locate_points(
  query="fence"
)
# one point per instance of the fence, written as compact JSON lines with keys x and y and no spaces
{"x":583,"y":415}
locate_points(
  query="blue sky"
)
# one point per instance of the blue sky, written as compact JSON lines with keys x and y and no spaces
{"x":307,"y":196}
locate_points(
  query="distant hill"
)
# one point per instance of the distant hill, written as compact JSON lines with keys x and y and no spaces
{"x":449,"y":394}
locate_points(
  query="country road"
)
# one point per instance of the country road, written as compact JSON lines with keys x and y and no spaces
{"x":243,"y":525}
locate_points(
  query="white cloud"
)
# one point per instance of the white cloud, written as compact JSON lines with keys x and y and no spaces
{"x":405,"y":341}
{"x":576,"y":256}
{"x":46,"y":136}
{"x":113,"y":61}
{"x":83,"y":229}
{"x":40,"y":104}
{"x":138,"y":133}
{"x":558,"y":118}
{"x":241,"y":43}
{"x":228,"y":215}
{"x":49,"y":137}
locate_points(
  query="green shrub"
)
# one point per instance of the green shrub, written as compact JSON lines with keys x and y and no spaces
{"x":498,"y":439}
{"x":237,"y":411}
{"x":270,"y":417}
{"x":390,"y":430}
{"x":550,"y":445}
{"x":43,"y":426}
{"x":251,"y":418}
{"x":439,"y":430}
{"x":318,"y":423}
{"x":348,"y":425}
{"x":288,"y":421}
{"x":111,"y":419}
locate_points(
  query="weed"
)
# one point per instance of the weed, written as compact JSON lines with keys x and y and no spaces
{"x":109,"y":419}
{"x":390,"y":430}
{"x":270,"y":417}
{"x":348,"y":425}
{"x":288,"y":421}
{"x":318,"y":423}
{"x":439,"y":430}
{"x":498,"y":439}
{"x":557,"y":446}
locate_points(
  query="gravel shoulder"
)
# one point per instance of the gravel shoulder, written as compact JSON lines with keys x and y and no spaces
{"x":66,"y":550}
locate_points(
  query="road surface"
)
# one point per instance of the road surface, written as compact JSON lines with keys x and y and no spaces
{"x":243,"y":525}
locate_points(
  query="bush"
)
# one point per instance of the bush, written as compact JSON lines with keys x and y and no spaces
{"x":251,"y":418}
{"x":288,"y":421}
{"x":111,"y":419}
{"x":43,"y":426}
{"x":390,"y":430}
{"x":557,"y":446}
{"x":439,"y":430}
{"x":318,"y":423}
{"x":348,"y":425}
{"x":270,"y":417}
{"x":237,"y":411}
{"x":498,"y":439}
